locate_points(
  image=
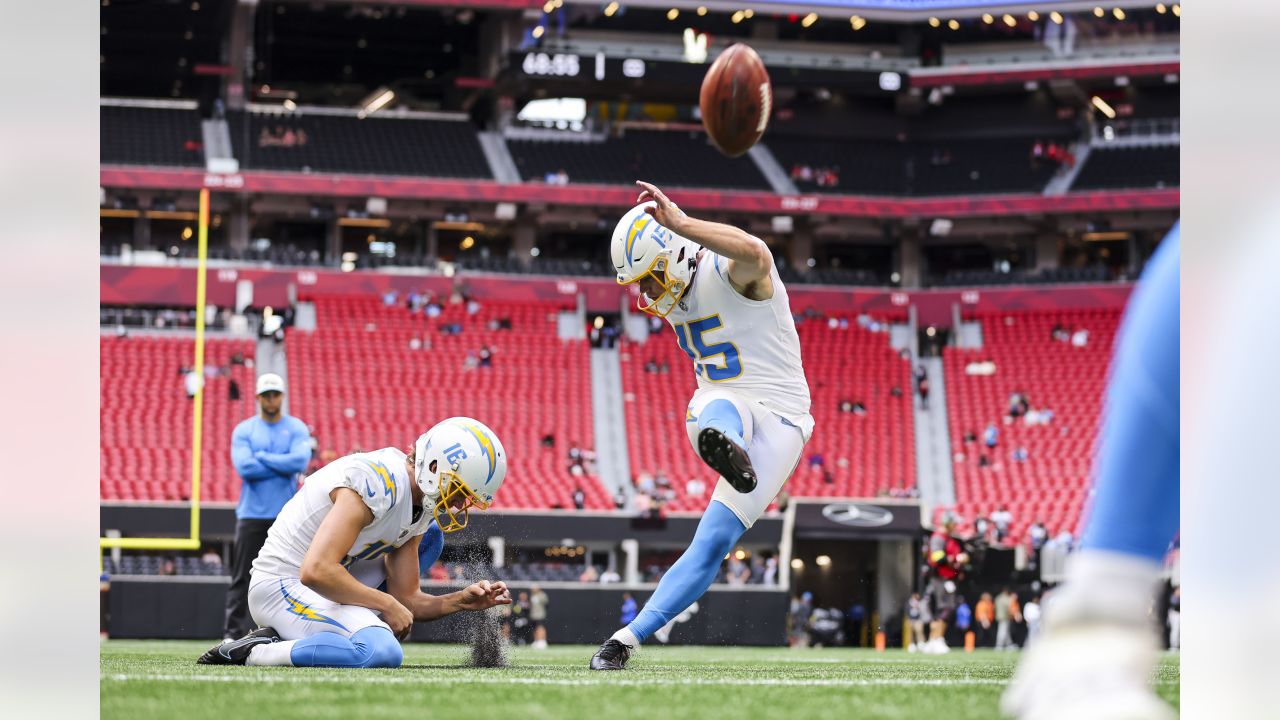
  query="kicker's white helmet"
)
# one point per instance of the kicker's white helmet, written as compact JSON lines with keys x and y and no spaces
{"x":459,"y":462}
{"x":641,"y":247}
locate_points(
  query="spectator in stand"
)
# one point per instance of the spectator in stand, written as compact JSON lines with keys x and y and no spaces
{"x":538,"y":616}
{"x":1061,"y":333}
{"x":695,"y":488}
{"x":192,"y":381}
{"x":846,"y":406}
{"x":1017,"y":404}
{"x":798,"y":620}
{"x":609,"y":577}
{"x":589,"y":575}
{"x":168,"y":567}
{"x":1019,"y":454}
{"x":984,"y":613}
{"x":1037,"y":153}
{"x":268,"y":451}
{"x":628,"y":610}
{"x":1002,"y":519}
{"x":211,"y":561}
{"x":922,"y":387}
{"x":1080,"y":338}
{"x":620,"y":501}
{"x":579,"y":498}
{"x":738,"y":573}
{"x":770,"y":576}
{"x":439,"y":573}
{"x":816,"y":460}
{"x":233,"y":390}
{"x":486,"y":357}
{"x":991,"y":436}
{"x":643,"y":503}
{"x":1174,"y":617}
{"x":982,"y":529}
{"x":548,"y":440}
{"x":1037,"y":534}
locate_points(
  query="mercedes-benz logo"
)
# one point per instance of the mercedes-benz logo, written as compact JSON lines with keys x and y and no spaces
{"x":857,"y":515}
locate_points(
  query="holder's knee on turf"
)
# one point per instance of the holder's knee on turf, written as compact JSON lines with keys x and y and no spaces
{"x":372,"y":647}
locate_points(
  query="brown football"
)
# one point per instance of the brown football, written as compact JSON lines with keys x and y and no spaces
{"x":736,"y":100}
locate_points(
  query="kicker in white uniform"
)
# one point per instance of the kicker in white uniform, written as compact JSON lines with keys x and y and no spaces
{"x":749,"y":419}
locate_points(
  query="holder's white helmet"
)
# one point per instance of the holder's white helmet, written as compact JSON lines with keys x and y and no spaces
{"x":459,"y":464}
{"x":643,"y":248}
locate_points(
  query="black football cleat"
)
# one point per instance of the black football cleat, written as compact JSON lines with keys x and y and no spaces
{"x":725,"y":457}
{"x":236,"y":652}
{"x":612,"y":655}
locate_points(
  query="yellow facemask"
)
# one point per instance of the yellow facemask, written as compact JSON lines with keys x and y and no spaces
{"x":662,"y":305}
{"x":449,"y":519}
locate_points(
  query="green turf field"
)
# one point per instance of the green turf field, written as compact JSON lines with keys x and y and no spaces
{"x":159,"y":679}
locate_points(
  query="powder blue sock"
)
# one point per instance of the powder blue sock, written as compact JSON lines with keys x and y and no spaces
{"x":430,"y":548}
{"x":371,"y":647}
{"x":1136,"y":493}
{"x":723,"y":416}
{"x":693,"y":573}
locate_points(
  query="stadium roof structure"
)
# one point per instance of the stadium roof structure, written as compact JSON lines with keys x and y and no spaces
{"x":892,"y":10}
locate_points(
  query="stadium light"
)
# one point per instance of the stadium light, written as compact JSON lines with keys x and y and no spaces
{"x":290,"y":105}
{"x":748,"y":13}
{"x":549,"y":6}
{"x":1056,"y":17}
{"x":737,"y":17}
{"x":953,"y":24}
{"x":1008,"y":20}
{"x":610,"y":9}
{"x":537,"y":32}
{"x":1160,"y":8}
{"x":1033,"y":16}
{"x":702,"y":10}
{"x":1105,"y":108}
{"x":740,"y":554}
{"x":378,"y":100}
{"x":822,"y":561}
{"x":1118,"y":13}
{"x":1177,"y":10}
{"x":467,"y":243}
{"x":809,"y":20}
{"x":858,"y":22}
{"x":986,"y":18}
{"x":934,"y":22}
{"x":673,"y":13}
{"x":1099,"y":12}
{"x":797,"y":564}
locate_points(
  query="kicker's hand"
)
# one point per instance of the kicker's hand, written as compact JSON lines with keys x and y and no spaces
{"x":664,"y":211}
{"x":399,"y":618}
{"x":484,"y":595}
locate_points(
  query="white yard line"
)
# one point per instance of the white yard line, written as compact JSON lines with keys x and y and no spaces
{"x":605,"y":681}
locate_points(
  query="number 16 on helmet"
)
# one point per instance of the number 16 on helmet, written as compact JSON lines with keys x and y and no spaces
{"x":459,"y":464}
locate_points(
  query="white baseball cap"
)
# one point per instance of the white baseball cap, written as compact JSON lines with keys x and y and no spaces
{"x":270,"y":382}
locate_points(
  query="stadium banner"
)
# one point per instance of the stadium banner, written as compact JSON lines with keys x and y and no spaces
{"x":855,"y":519}
{"x":147,"y":607}
{"x":599,"y":196}
{"x":174,"y":286}
{"x":527,"y":528}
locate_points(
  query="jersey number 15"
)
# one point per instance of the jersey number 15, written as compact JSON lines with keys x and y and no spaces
{"x":690,"y":337}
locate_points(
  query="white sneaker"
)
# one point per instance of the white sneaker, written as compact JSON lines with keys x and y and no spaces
{"x":913,"y":648}
{"x":1100,"y":672}
{"x":539,"y":645}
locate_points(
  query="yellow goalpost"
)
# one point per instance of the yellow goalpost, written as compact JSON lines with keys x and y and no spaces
{"x":193,"y":541}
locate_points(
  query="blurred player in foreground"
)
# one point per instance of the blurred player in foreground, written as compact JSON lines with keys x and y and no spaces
{"x":356,"y":524}
{"x":749,"y":419}
{"x":1098,"y":648}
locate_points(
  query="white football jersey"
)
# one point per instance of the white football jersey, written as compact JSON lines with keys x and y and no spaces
{"x":382,"y":481}
{"x":748,"y":346}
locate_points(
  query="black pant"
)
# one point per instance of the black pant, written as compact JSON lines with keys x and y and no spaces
{"x":251,"y":535}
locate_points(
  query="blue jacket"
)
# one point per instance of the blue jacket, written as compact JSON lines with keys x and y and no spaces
{"x":268,"y":457}
{"x":628,"y":610}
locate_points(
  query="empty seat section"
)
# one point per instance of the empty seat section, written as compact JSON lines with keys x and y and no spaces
{"x":150,"y":136}
{"x":374,"y":145}
{"x":146,"y":418}
{"x":1052,"y":483}
{"x":356,"y":380}
{"x":665,"y":158}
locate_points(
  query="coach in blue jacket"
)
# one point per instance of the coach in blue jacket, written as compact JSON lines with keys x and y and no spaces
{"x":269,"y":450}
